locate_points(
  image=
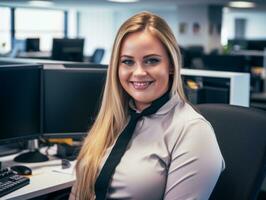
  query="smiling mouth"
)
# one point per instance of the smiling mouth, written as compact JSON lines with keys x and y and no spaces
{"x":141,"y":85}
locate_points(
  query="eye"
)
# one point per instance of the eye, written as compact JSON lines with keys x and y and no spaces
{"x":128,"y":62}
{"x":152,"y":61}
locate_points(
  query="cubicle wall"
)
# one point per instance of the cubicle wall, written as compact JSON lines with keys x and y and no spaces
{"x":238,"y":83}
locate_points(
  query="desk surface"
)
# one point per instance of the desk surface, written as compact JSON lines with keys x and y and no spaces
{"x":37,"y":54}
{"x":46,"y":177}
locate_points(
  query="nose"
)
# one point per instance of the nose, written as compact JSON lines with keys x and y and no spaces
{"x":139,"y":70}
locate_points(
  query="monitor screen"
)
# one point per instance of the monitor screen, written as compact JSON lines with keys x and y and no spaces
{"x":71,"y":100}
{"x":68,"y":49}
{"x":33,"y":44}
{"x":258,"y":45}
{"x":20,"y":102}
{"x":237,"y":44}
{"x":233,"y":63}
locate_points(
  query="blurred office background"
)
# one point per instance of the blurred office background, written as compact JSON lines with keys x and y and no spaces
{"x":216,"y":35}
{"x":205,"y":26}
{"x":213,"y":34}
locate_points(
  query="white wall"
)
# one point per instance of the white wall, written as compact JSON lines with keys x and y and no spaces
{"x":72,"y":23}
{"x":190,"y":14}
{"x":255,"y":26}
{"x":169,"y":15}
{"x":97,"y":27}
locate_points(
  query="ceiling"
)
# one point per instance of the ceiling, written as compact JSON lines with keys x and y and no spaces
{"x":141,"y":3}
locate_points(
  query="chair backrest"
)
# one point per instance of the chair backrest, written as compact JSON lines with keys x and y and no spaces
{"x":241,"y":134}
{"x":97,"y":56}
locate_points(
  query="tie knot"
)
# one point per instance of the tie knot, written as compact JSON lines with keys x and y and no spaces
{"x":155,"y":106}
{"x":135,"y":116}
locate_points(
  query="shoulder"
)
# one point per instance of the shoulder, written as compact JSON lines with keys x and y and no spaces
{"x":195,"y":134}
{"x":187,"y":112}
{"x":191,"y":131}
{"x":185,"y":124}
{"x":185,"y":116}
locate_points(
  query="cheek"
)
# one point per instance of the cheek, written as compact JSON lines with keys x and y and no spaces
{"x":162,"y":75}
{"x":122,"y":75}
{"x":163,"y":80}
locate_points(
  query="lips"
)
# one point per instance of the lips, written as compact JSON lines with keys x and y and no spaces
{"x":141,"y":85}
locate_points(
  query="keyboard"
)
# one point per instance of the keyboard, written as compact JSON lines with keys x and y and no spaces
{"x":11,"y":181}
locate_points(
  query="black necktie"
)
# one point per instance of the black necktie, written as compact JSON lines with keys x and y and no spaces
{"x":102,"y":182}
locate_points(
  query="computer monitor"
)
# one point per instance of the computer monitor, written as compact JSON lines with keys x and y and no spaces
{"x":233,"y":63}
{"x":258,"y":45}
{"x":71,"y":100}
{"x":68,"y":49}
{"x":32,"y":44}
{"x":237,"y":44}
{"x":20,"y":106}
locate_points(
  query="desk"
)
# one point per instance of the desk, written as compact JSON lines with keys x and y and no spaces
{"x":258,"y":100}
{"x":47,"y":177}
{"x":36,"y":55}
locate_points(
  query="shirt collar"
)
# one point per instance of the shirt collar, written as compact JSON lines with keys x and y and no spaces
{"x":164,"y":109}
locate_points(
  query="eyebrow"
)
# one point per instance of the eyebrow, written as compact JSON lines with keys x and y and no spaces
{"x":127,"y":56}
{"x":152,"y":55}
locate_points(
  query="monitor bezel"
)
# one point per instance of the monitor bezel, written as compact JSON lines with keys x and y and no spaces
{"x":31,"y":135}
{"x":73,"y":135}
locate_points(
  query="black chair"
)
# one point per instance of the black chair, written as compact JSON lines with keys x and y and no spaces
{"x":97,"y":56}
{"x":241,"y":134}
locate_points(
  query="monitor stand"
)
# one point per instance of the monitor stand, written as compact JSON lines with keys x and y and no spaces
{"x":33,"y":156}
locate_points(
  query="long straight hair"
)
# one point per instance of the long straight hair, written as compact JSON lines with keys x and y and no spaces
{"x":113,"y":113}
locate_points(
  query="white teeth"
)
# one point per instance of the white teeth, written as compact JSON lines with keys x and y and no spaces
{"x":141,"y":85}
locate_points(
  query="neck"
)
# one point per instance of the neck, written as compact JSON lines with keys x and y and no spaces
{"x":142,"y":106}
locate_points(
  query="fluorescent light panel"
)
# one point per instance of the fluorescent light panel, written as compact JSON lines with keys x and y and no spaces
{"x":123,"y":1}
{"x":241,"y":4}
{"x":40,"y":3}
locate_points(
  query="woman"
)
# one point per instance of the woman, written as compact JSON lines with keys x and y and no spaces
{"x":147,"y":141}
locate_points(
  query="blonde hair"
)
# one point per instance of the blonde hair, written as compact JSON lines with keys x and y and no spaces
{"x":113,"y":113}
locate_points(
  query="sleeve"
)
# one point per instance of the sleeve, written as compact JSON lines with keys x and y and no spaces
{"x":196,"y":163}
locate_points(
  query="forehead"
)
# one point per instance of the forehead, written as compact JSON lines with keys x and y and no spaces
{"x":143,"y":42}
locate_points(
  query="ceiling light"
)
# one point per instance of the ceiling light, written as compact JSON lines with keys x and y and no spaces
{"x":124,"y":1}
{"x":41,"y":3}
{"x":241,"y":4}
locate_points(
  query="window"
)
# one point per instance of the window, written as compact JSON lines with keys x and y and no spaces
{"x":5,"y":34}
{"x":43,"y":24}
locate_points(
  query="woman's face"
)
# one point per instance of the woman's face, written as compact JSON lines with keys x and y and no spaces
{"x":144,"y":68}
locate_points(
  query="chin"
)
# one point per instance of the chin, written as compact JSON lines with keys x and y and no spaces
{"x":144,"y":99}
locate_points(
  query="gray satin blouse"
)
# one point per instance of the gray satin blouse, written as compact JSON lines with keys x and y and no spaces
{"x":173,"y":155}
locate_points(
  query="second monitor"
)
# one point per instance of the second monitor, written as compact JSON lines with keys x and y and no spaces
{"x":32,"y":44}
{"x":71,"y":100}
{"x":68,"y":49}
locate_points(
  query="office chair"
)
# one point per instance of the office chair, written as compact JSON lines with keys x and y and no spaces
{"x":19,"y":46}
{"x":241,"y":136}
{"x":97,"y":56}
